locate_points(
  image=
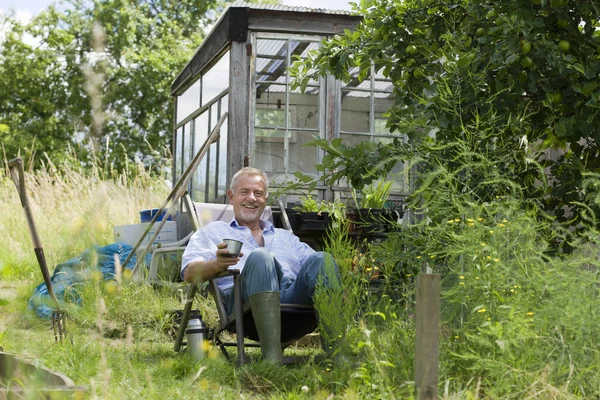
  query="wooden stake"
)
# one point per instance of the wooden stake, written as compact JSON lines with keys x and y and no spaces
{"x":427,"y":339}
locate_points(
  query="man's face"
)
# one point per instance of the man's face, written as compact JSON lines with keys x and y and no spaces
{"x":248,"y":199}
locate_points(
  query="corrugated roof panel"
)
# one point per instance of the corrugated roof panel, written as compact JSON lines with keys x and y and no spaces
{"x":270,"y":47}
{"x":383,"y":86}
{"x":281,"y":7}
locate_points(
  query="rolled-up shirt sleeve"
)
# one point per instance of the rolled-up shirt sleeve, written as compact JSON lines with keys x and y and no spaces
{"x":201,"y":247}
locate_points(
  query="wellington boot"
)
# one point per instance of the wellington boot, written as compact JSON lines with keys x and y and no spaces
{"x":266,"y":312}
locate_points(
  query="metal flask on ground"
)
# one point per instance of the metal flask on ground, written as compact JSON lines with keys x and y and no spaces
{"x":196,"y":334}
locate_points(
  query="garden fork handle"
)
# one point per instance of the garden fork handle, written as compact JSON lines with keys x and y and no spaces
{"x":17,"y":174}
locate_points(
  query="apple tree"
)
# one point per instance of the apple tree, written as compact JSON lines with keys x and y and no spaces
{"x":516,"y":79}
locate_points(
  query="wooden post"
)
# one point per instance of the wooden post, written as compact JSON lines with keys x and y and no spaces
{"x":427,"y":339}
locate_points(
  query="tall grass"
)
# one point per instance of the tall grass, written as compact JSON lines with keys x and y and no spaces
{"x":518,"y":320}
{"x":73,"y":208}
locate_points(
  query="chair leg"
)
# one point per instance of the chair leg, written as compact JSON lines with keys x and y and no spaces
{"x":185,"y":317}
{"x":219,"y":343}
{"x":239,"y":319}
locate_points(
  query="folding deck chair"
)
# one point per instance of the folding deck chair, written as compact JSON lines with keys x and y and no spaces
{"x":296,"y":320}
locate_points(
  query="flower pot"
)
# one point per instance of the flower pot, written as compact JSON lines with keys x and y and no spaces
{"x":369,"y":220}
{"x":312,"y":221}
{"x":293,"y":218}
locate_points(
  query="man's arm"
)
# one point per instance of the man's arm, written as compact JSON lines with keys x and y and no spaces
{"x":201,"y":271}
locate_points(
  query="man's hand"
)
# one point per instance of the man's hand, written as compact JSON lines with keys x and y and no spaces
{"x":201,"y":271}
{"x":224,"y":258}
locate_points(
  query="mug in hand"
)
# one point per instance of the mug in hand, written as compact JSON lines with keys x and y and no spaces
{"x":233,"y":246}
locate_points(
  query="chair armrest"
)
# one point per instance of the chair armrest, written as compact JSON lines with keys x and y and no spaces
{"x":229,"y":272}
{"x":178,"y":243}
{"x":153,"y":271}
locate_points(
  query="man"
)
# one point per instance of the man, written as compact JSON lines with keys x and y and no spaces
{"x":275,"y":266}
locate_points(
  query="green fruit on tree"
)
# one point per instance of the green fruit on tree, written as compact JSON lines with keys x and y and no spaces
{"x":564,"y":45}
{"x":499,"y":21}
{"x":410,"y":49}
{"x":562,"y":23}
{"x":526,"y":62}
{"x":417,"y":73}
{"x":556,"y":97}
{"x":377,"y":35}
{"x":492,"y":14}
{"x":480,"y":32}
{"x":410,"y":62}
{"x":525,"y":47}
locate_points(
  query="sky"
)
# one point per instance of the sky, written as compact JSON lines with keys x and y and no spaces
{"x":25,"y":9}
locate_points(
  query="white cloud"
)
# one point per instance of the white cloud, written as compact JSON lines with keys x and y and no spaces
{"x":21,"y":15}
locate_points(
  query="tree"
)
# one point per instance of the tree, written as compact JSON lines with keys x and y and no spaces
{"x":97,"y":78}
{"x":530,"y":65}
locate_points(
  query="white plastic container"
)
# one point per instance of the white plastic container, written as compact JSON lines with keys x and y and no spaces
{"x":130,"y":234}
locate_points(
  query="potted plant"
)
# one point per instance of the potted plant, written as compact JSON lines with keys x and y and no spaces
{"x":370,"y":215}
{"x":314,"y":214}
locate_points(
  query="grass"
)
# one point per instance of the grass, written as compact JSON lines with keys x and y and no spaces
{"x":517,"y":321}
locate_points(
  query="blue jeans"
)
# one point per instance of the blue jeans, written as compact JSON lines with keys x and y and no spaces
{"x":263,"y":273}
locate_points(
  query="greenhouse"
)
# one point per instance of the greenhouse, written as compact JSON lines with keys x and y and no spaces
{"x":242,"y":67}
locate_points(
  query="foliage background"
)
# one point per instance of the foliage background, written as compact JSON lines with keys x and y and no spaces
{"x":518,"y":314}
{"x":530,"y":65}
{"x":93,"y":77}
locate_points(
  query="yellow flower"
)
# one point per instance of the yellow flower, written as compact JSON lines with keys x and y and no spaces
{"x":479,"y":219}
{"x":111,"y":287}
{"x":432,"y":256}
{"x":450,"y":221}
{"x":418,"y":257}
{"x":512,"y":290}
{"x":489,"y":319}
{"x":204,"y":384}
{"x":491,"y":232}
{"x":530,"y":313}
{"x":462,"y":277}
{"x":501,"y":225}
{"x":481,"y":310}
{"x":471,"y":224}
{"x":489,"y":257}
{"x":496,"y":259}
{"x":505,"y":221}
{"x":456,"y":219}
{"x":456,"y":337}
{"x":461,"y":283}
{"x":469,"y":220}
{"x":482,"y":244}
{"x":477,"y":278}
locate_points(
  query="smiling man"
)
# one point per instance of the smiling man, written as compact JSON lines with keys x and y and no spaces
{"x":275,"y":266}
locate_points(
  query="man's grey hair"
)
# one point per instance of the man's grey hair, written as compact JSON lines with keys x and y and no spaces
{"x":249,"y":171}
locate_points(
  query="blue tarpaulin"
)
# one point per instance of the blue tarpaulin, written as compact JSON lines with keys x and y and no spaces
{"x":68,"y":276}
